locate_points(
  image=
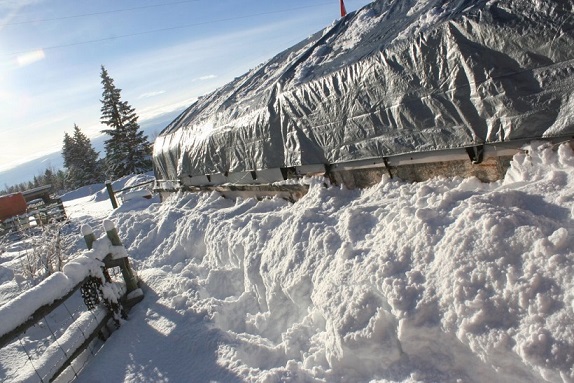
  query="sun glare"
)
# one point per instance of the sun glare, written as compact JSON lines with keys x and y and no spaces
{"x":30,"y":57}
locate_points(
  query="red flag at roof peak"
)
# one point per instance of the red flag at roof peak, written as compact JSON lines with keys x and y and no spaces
{"x":343,"y":10}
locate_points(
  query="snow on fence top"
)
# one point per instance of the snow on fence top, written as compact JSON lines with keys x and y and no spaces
{"x":58,"y":285}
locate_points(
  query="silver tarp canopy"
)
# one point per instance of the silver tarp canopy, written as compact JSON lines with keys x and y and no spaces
{"x":397,"y":76}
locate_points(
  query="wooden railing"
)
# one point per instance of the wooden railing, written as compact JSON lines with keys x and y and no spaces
{"x":35,"y":304}
{"x":113,"y":193}
{"x":37,"y":315}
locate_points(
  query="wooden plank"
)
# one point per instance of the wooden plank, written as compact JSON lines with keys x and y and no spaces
{"x":128,"y":304}
{"x":36,"y":317}
{"x":82,"y":347}
{"x":288,"y":192}
{"x":134,"y":186}
{"x":39,"y":192}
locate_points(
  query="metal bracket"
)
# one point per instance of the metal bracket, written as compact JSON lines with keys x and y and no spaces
{"x":387,"y":166}
{"x":288,"y":173}
{"x":475,"y":153}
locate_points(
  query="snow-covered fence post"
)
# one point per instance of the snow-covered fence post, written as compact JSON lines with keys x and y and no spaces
{"x":89,"y":236}
{"x":112,"y":194}
{"x":123,"y":262}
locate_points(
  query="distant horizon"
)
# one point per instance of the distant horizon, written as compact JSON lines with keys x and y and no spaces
{"x":15,"y":175}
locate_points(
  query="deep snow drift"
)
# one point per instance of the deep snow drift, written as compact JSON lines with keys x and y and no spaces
{"x":448,"y":280}
{"x":438,"y":281}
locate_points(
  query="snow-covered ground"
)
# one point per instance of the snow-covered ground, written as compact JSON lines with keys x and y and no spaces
{"x":449,"y":280}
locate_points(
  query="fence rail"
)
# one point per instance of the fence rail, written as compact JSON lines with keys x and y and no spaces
{"x":34,"y":305}
{"x":36,"y":316}
{"x":112,"y":193}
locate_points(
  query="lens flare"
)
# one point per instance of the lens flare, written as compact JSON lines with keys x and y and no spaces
{"x":30,"y":57}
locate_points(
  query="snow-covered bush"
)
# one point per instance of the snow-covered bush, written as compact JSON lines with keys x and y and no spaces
{"x":46,"y":252}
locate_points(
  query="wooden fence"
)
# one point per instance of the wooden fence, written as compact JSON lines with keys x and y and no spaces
{"x":39,"y":213}
{"x":113,"y":193}
{"x":104,"y":312}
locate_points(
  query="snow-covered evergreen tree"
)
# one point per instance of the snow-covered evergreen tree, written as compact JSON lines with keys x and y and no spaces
{"x":67,"y":149}
{"x":128,"y":150}
{"x":81,"y":160}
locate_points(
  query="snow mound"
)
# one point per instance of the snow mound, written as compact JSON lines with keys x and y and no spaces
{"x":82,"y":192}
{"x":448,"y":280}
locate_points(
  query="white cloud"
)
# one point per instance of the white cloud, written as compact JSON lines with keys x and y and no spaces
{"x":195,"y":53}
{"x":17,"y":4}
{"x":169,"y":105}
{"x":208,"y":77}
{"x":152,"y":94}
{"x":9,"y":9}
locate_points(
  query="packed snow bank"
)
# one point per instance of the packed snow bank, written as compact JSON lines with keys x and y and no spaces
{"x":98,"y":192}
{"x":82,"y":192}
{"x":448,"y":280}
{"x":94,"y":202}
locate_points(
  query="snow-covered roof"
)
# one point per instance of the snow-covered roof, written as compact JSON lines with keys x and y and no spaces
{"x":394,"y":77}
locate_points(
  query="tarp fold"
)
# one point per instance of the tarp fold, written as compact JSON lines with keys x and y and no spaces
{"x":395,"y":77}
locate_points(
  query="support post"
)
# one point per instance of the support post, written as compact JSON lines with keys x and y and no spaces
{"x":387,"y":166}
{"x":111,"y":194}
{"x":89,"y":236}
{"x":123,"y":263}
{"x":476,"y":153}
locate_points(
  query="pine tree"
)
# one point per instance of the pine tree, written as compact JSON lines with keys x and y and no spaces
{"x":88,"y":159}
{"x":61,"y":181}
{"x":80,"y":160}
{"x":128,"y":150}
{"x":48,"y":179}
{"x":67,"y":150}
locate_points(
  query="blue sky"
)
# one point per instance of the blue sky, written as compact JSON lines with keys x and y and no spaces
{"x":162,"y":54}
